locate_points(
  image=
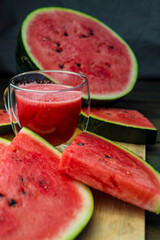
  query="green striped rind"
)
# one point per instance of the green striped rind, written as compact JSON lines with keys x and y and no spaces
{"x":5,"y":141}
{"x":41,"y":140}
{"x":155,"y":200}
{"x":78,"y":223}
{"x":120,"y":132}
{"x":76,"y":226}
{"x":23,"y":62}
{"x":26,"y":62}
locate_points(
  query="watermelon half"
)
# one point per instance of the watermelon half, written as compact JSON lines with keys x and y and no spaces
{"x":65,"y":39}
{"x":37,"y":201}
{"x":5,"y":124}
{"x":111,"y":168}
{"x":123,"y":125}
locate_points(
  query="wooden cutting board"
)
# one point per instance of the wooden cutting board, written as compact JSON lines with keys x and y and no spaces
{"x":113,"y":219}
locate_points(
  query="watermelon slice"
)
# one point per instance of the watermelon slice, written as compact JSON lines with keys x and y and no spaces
{"x":109,"y":167}
{"x":123,"y":125}
{"x":4,"y":143}
{"x":65,"y":39}
{"x":5,"y":125}
{"x":37,"y":201}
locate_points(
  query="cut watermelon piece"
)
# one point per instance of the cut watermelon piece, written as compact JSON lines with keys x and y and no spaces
{"x":123,"y":125}
{"x":37,"y":201}
{"x":4,"y":143}
{"x":111,"y":168}
{"x":65,"y":39}
{"x":5,"y":125}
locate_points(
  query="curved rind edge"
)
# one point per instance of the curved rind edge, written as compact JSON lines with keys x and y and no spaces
{"x":122,"y":124}
{"x":156,"y":200}
{"x":127,"y":150}
{"x":121,"y":132}
{"x":29,"y":59}
{"x":84,"y":216}
{"x":5,"y":141}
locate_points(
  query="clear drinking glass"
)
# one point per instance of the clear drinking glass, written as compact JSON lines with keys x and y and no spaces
{"x":48,"y":102}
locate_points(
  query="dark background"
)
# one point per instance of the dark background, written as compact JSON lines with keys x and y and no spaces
{"x":138,"y":22}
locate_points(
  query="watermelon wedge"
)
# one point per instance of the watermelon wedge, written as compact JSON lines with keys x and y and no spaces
{"x":65,"y":39}
{"x":37,"y":201}
{"x":5,"y":125}
{"x":4,"y":143}
{"x":111,"y":168}
{"x":123,"y":125}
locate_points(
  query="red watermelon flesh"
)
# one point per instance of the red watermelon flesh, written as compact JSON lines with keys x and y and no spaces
{"x":4,"y":143}
{"x":37,"y":201}
{"x":122,"y":116}
{"x":123,"y":125}
{"x":106,"y":166}
{"x":4,"y":117}
{"x":5,"y":124}
{"x":57,"y":38}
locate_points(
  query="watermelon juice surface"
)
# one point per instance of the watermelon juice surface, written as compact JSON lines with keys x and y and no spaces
{"x":51,"y":113}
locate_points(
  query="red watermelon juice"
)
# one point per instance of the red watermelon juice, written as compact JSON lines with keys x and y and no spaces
{"x":49,"y":111}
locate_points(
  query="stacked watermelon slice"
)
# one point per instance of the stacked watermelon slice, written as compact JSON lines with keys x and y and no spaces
{"x":39,"y":197}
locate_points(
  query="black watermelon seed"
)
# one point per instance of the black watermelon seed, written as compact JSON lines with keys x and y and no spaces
{"x":58,"y":44}
{"x":66,"y":34}
{"x":78,"y":64}
{"x":61,"y":65}
{"x":80,"y":144}
{"x":58,"y":50}
{"x":108,"y":65}
{"x":1,"y":195}
{"x":112,"y":47}
{"x":83,"y":36}
{"x":24,"y":192}
{"x":12,"y":203}
{"x":42,"y":182}
{"x":91,"y":32}
{"x":22,"y":179}
{"x":107,"y":156}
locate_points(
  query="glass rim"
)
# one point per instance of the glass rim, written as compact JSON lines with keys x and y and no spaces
{"x":70,"y":88}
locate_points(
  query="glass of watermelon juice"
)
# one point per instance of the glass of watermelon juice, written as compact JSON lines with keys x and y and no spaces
{"x":48,"y":102}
